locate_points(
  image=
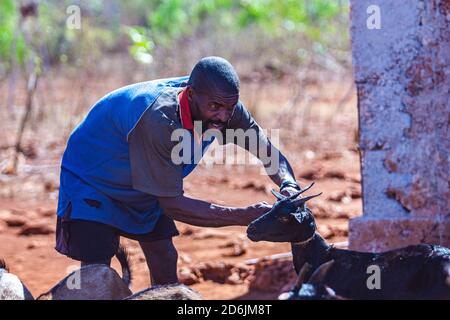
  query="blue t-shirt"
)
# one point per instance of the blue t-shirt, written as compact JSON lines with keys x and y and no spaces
{"x":118,"y":160}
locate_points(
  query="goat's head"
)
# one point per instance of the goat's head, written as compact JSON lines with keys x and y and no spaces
{"x":289,"y":220}
{"x":314,"y":288}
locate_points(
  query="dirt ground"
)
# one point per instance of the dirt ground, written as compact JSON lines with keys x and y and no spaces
{"x":322,"y":149}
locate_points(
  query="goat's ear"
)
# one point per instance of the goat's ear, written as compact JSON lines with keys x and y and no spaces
{"x":278,"y":195}
{"x":301,"y":276}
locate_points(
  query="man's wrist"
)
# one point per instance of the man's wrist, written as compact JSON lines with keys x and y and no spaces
{"x":289,"y":183}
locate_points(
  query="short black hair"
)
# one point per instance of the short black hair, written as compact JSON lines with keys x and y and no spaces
{"x":215,"y":76}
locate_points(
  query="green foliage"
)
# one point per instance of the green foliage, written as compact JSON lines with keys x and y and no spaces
{"x":142,"y":44}
{"x":153,"y":24}
{"x":12,"y":43}
{"x":172,"y":18}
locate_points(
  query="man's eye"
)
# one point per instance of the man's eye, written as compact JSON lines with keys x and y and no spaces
{"x":213,"y":106}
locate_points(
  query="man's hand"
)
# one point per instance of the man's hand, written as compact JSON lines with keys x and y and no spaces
{"x":289,"y":191}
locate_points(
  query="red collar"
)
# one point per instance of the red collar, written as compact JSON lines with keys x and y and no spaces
{"x":185,"y":111}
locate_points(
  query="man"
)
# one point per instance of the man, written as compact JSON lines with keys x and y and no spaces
{"x":119,"y":176}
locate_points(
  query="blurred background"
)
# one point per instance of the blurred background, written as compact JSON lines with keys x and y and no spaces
{"x":57,"y":58}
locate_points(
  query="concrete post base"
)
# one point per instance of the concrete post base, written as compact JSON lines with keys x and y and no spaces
{"x":383,"y":234}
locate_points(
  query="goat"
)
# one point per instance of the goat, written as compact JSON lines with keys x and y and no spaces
{"x":166,"y":292}
{"x":314,"y":289}
{"x":11,"y":288}
{"x":94,"y":282}
{"x":414,"y":272}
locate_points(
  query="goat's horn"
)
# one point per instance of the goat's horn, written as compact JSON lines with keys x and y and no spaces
{"x":319,"y":274}
{"x":301,"y":201}
{"x":302,"y":276}
{"x":295,"y":195}
{"x":278,"y":195}
{"x":307,"y":188}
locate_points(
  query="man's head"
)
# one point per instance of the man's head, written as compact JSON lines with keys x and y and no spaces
{"x":213,"y":92}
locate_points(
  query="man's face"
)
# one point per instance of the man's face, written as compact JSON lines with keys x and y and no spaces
{"x":212,"y":113}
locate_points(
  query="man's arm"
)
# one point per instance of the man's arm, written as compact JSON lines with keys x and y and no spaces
{"x":277,"y":166}
{"x":204,"y":214}
{"x":284,"y":176}
{"x":154,"y":172}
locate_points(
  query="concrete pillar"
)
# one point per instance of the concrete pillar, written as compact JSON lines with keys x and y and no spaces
{"x":402,"y":73}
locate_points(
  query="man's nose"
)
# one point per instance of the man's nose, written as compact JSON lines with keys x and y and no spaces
{"x":224,"y":115}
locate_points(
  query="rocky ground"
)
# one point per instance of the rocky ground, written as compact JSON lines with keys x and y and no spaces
{"x":213,"y":261}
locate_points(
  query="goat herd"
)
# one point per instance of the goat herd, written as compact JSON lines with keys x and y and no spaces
{"x":324,"y":272}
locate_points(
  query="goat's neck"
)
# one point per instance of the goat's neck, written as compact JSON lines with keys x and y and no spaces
{"x":313,"y":252}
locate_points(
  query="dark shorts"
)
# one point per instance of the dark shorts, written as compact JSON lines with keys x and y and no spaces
{"x":91,"y":241}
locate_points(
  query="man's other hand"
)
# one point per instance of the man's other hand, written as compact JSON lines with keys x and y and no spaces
{"x":289,"y":191}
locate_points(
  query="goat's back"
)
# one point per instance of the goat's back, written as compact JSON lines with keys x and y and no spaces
{"x":167,"y":292}
{"x":413,"y":272}
{"x":92,"y":282}
{"x":11,"y":288}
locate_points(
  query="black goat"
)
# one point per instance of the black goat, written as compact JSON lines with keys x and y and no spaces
{"x":95,"y":282}
{"x":314,"y":289}
{"x":414,"y":272}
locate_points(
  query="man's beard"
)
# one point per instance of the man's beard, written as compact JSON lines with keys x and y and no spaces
{"x":216,"y":124}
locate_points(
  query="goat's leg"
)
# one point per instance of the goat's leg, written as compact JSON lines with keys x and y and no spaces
{"x":161,"y":257}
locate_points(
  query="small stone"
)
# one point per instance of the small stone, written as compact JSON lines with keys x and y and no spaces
{"x":310,"y":174}
{"x":238,"y":249}
{"x":185,"y":258}
{"x":209,"y":234}
{"x":310,"y":154}
{"x":234,"y":279}
{"x":187,"y":276}
{"x":46,"y":212}
{"x":15,"y":221}
{"x":336,"y":196}
{"x":32,"y":245}
{"x":5,"y":214}
{"x":187,"y":231}
{"x":36,"y":229}
{"x":334,"y":174}
{"x":346,"y":200}
{"x":325,"y":231}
